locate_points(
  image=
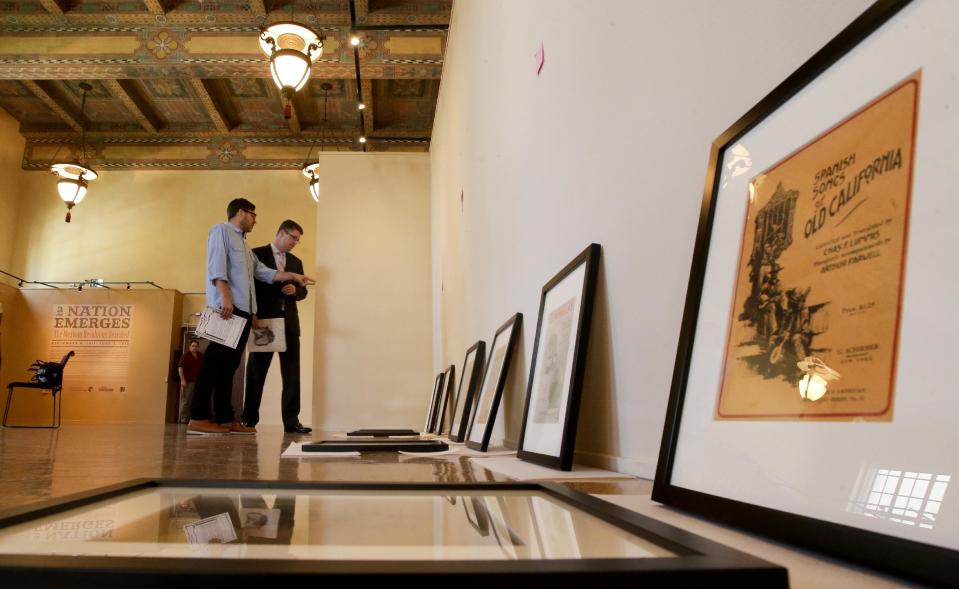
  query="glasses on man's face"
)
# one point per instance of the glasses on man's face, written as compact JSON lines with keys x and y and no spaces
{"x":293,"y":236}
{"x":250,"y":213}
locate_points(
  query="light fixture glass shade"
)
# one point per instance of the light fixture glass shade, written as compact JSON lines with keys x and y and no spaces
{"x":812,"y":387}
{"x":71,"y":191}
{"x":72,"y":179}
{"x":290,"y":69}
{"x":310,"y":172}
{"x":291,"y":48}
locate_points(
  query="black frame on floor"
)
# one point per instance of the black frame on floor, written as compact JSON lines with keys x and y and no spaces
{"x":697,"y":561}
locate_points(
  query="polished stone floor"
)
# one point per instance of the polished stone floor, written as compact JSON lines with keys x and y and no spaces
{"x":38,"y":464}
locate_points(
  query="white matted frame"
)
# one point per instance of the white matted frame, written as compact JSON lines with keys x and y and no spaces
{"x":555,"y":383}
{"x":877,"y":492}
{"x":494,"y":379}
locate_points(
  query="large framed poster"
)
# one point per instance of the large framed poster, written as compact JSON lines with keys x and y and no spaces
{"x":809,"y":399}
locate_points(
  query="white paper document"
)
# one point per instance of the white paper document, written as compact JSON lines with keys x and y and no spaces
{"x":217,"y":529}
{"x":220,"y":330}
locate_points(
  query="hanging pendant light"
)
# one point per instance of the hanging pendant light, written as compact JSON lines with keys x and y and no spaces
{"x":73,"y":177}
{"x":310,"y":170}
{"x":292,"y":49}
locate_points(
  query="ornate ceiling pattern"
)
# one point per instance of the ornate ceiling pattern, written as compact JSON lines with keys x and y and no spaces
{"x":184,"y":85}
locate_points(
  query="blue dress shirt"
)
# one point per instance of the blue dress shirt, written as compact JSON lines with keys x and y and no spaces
{"x":229,"y":258}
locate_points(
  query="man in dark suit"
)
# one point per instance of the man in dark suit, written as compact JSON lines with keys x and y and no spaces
{"x":274,"y":301}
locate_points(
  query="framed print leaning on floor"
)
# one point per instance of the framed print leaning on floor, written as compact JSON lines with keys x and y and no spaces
{"x":811,"y":397}
{"x":463,"y":404}
{"x":494,"y":380}
{"x":553,"y":391}
{"x":433,"y":411}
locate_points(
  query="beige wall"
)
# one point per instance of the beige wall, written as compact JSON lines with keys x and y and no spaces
{"x":29,"y":324}
{"x":153,"y":225}
{"x":11,"y":154}
{"x":372,"y":360}
{"x":609,"y":145}
{"x":366,"y":325}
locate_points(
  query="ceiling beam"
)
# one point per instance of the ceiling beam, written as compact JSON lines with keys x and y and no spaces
{"x":257,"y":8}
{"x":212,"y":109}
{"x":155,"y":7}
{"x":362,"y":10}
{"x":126,"y":96}
{"x":367,"y":94}
{"x":52,"y":6}
{"x":53,"y":105}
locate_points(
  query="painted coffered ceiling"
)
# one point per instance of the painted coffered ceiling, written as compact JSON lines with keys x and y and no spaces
{"x":183,"y":85}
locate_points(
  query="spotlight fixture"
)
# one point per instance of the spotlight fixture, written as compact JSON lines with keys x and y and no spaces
{"x":310,"y":170}
{"x":361,"y":106}
{"x":362,"y":139}
{"x":292,"y":49}
{"x":355,"y":41}
{"x":73,"y":177}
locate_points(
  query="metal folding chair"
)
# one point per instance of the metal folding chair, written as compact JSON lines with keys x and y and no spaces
{"x":54,"y":386}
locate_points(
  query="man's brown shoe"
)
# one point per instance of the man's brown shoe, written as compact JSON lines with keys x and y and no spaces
{"x":205,"y":427}
{"x":237,"y":428}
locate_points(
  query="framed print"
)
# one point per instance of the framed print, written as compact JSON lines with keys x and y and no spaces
{"x":556,"y":372}
{"x":357,"y":534}
{"x":463,"y":405}
{"x":445,"y":405}
{"x":433,"y":411}
{"x":494,"y":380}
{"x":810,"y":399}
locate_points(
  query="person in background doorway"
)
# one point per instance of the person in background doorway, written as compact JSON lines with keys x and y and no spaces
{"x":188,"y":368}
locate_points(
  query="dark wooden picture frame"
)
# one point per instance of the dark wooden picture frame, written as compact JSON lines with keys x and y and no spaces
{"x":562,"y":447}
{"x":480,"y":441}
{"x":444,"y":421}
{"x":432,"y":411}
{"x":927,"y":563}
{"x":463,"y":403}
{"x":694,"y":561}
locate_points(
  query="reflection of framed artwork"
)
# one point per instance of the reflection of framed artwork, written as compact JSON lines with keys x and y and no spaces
{"x":559,"y":361}
{"x":433,"y":411}
{"x":345,"y":541}
{"x":491,"y":389}
{"x":463,"y":405}
{"x":445,"y":404}
{"x":809,"y":400}
{"x":476,"y":514}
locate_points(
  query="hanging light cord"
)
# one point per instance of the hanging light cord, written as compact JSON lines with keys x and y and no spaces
{"x":83,"y":128}
{"x":326,"y":96}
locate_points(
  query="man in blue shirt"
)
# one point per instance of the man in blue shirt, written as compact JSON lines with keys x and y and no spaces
{"x":231,"y":269}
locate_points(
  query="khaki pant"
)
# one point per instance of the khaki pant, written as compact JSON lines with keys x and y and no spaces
{"x":186,"y":399}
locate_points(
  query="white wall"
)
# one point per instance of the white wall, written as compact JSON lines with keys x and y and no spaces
{"x":609,"y":145}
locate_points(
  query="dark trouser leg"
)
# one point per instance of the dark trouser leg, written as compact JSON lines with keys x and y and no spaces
{"x":213,"y":363}
{"x":257,"y":365}
{"x":223,"y":385}
{"x":290,"y":369}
